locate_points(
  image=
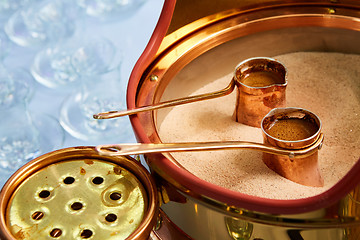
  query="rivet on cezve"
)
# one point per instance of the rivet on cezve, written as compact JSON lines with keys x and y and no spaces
{"x":331,"y":11}
{"x":153,"y":77}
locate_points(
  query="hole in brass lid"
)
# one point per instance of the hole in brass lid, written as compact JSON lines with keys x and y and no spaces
{"x":37,"y":215}
{"x":86,"y":233}
{"x":69,"y":180}
{"x":98,"y":180}
{"x":115,"y":196}
{"x":76,"y":206}
{"x":44,"y":194}
{"x":55,"y":233}
{"x":110,"y":217}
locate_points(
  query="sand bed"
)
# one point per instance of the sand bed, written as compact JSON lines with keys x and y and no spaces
{"x":327,"y":84}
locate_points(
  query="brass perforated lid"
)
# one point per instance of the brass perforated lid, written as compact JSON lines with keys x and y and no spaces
{"x":72,"y":194}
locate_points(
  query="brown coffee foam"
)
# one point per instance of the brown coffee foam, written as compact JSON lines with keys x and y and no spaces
{"x":261,"y":79}
{"x":292,"y":129}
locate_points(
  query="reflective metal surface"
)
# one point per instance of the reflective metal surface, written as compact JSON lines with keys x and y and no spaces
{"x":321,"y":224}
{"x":261,"y":87}
{"x":143,"y":148}
{"x":58,"y":199}
{"x":171,"y":103}
{"x":305,"y":131}
{"x":76,"y":194}
{"x":265,"y":28}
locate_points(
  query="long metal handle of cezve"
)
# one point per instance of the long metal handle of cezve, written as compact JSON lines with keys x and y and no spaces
{"x":142,"y":148}
{"x":171,"y":103}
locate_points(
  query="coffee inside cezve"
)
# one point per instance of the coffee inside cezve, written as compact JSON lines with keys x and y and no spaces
{"x":261,"y":79}
{"x":292,"y":129}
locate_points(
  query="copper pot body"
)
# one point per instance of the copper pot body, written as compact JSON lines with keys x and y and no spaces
{"x":306,"y":170}
{"x":265,"y":28}
{"x":255,"y":99}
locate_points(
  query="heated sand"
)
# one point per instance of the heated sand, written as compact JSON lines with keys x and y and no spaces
{"x":327,"y":84}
